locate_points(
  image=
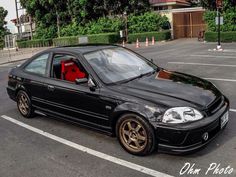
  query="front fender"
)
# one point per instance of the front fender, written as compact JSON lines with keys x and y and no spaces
{"x":130,"y":107}
{"x":135,"y":108}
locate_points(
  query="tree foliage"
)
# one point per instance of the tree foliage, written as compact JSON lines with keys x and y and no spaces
{"x":211,"y":4}
{"x":229,"y":20}
{"x":147,"y":22}
{"x":228,"y":12}
{"x":47,"y":13}
{"x":3,"y":14}
{"x":101,"y":25}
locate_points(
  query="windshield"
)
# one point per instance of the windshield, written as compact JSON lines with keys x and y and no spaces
{"x":118,"y":64}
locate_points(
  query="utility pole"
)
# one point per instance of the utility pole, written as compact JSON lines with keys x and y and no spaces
{"x":18,"y":21}
{"x":126,"y":26}
{"x":31,"y":28}
{"x":58,"y":24}
{"x":219,"y":5}
{"x":218,"y":14}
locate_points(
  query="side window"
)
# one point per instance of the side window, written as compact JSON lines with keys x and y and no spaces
{"x":38,"y":65}
{"x":67,"y":67}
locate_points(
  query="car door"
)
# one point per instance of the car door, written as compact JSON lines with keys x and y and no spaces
{"x":73,"y":101}
{"x":34,"y":74}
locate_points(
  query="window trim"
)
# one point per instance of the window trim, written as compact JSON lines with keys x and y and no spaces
{"x":60,"y":80}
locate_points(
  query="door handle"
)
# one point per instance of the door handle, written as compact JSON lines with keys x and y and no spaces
{"x":51,"y":88}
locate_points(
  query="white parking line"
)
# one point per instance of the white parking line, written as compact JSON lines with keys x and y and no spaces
{"x":218,"y":79}
{"x":233,"y":110}
{"x":213,"y":56}
{"x":225,"y":50}
{"x":84,"y":149}
{"x":201,"y":64}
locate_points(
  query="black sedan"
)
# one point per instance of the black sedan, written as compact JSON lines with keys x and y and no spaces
{"x":114,"y":90}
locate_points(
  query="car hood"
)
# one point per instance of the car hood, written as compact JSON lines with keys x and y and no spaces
{"x":165,"y":85}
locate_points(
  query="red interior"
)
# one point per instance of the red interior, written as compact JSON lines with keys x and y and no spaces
{"x":70,"y":71}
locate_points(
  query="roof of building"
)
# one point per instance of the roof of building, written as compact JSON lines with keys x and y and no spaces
{"x":169,"y":2}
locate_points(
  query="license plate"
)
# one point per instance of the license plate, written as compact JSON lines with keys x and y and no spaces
{"x":224,"y":119}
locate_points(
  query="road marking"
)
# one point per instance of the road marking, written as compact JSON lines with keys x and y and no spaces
{"x":164,"y":51}
{"x":206,"y":64}
{"x":84,"y":149}
{"x":201,"y":64}
{"x":217,"y":79}
{"x":213,"y":56}
{"x":233,"y":110}
{"x":225,"y":50}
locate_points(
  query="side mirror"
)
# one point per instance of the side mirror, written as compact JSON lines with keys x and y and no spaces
{"x":81,"y":81}
{"x":151,"y":60}
{"x":91,"y":84}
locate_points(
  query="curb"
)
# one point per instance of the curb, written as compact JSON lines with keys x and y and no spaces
{"x":14,"y":61}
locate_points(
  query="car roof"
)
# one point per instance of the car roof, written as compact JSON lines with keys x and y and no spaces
{"x":83,"y":48}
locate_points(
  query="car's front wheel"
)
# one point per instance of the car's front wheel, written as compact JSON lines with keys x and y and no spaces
{"x":24,"y":104}
{"x":135,"y":134}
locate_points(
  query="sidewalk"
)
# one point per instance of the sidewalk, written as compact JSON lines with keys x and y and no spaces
{"x":8,"y":56}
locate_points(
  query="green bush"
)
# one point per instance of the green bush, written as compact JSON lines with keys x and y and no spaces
{"x":104,"y":38}
{"x":105,"y":25}
{"x":64,"y":41}
{"x":1,"y":44}
{"x":159,"y":36}
{"x":43,"y":32}
{"x":148,"y":22}
{"x":73,"y":29}
{"x":225,"y":36}
{"x":229,"y":20}
{"x":93,"y":38}
{"x":35,"y":43}
{"x":102,"y":25}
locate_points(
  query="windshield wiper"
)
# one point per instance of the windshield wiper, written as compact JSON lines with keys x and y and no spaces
{"x":139,"y":76}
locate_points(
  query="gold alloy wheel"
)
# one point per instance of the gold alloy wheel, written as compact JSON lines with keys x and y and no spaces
{"x":23,"y":104}
{"x":133,"y":135}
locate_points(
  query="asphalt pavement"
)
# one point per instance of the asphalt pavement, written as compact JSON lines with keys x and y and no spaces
{"x":68,"y":150}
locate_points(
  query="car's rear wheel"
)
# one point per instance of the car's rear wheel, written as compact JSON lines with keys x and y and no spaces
{"x":135,"y":134}
{"x":24,"y":104}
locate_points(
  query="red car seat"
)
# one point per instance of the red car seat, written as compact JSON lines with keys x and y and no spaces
{"x":70,"y":71}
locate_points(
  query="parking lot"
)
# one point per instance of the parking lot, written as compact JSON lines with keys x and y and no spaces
{"x":47,"y":147}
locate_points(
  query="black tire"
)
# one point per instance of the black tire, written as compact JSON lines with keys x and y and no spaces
{"x":24,"y":104}
{"x":141,"y":142}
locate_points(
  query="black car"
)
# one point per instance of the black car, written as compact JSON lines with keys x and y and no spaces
{"x":116,"y":91}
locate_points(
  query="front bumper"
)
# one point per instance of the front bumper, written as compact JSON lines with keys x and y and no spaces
{"x":187,"y":138}
{"x":12,"y":93}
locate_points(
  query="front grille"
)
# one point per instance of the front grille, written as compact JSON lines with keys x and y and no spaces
{"x":215,"y":106}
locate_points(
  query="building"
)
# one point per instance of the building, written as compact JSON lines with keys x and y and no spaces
{"x":25,"y":25}
{"x":186,"y":21}
{"x":22,"y":29}
{"x":169,"y":4}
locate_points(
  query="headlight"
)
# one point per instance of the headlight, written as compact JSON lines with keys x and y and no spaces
{"x":181,"y":115}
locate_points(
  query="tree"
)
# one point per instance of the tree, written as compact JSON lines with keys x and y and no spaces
{"x":228,"y":12}
{"x":3,"y":14}
{"x":50,"y":14}
{"x":211,"y":4}
{"x":47,"y":14}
